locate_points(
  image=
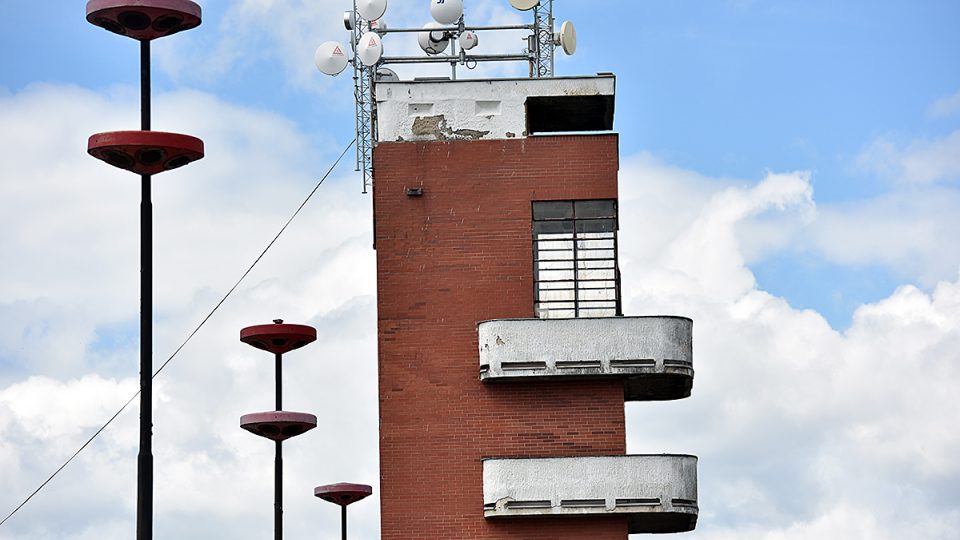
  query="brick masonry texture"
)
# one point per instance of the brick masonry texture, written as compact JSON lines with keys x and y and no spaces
{"x":460,"y":254}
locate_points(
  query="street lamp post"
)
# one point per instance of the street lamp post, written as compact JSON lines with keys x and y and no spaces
{"x":278,"y":425}
{"x":343,"y":494}
{"x":145,"y":153}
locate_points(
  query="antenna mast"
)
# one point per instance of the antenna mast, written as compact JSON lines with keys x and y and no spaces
{"x":363,"y":84}
{"x":542,"y":41}
{"x":440,"y":41}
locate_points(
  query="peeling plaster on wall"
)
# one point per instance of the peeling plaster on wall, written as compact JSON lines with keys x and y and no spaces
{"x":436,"y":127}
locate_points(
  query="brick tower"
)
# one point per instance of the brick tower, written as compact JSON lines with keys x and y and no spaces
{"x":504,"y":357}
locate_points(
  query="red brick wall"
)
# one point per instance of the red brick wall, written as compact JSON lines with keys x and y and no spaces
{"x":460,"y":254}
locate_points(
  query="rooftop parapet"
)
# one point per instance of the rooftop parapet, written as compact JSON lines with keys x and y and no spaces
{"x":438,"y":110}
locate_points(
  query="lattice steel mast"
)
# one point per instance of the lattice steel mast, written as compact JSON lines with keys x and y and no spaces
{"x":539,"y":54}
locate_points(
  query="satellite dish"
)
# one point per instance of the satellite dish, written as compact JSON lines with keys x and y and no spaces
{"x":446,"y":11}
{"x":371,"y":10}
{"x":369,"y":48}
{"x":330,"y":58}
{"x":468,"y":40}
{"x":568,"y":37}
{"x":387,"y":75}
{"x":433,"y":42}
{"x":524,"y":5}
{"x":349,"y":20}
{"x":378,"y":25}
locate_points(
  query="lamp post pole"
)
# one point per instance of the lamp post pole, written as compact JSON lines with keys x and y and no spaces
{"x":278,"y":425}
{"x":145,"y":457}
{"x":145,"y":153}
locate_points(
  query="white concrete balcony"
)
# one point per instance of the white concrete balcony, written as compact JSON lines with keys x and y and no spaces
{"x":657,"y":493}
{"x":653,"y":355}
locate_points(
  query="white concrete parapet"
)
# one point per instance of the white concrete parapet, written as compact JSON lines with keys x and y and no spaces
{"x":434,"y":110}
{"x":657,"y":492}
{"x":654,"y":355}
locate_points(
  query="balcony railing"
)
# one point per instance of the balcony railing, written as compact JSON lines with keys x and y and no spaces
{"x":653,"y":355}
{"x":658,"y":493}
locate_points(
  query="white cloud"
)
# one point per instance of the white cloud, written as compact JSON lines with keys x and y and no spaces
{"x":802,"y":432}
{"x":911,"y":232}
{"x":945,"y":106}
{"x":708,"y":251}
{"x":68,"y":310}
{"x":917,"y":162}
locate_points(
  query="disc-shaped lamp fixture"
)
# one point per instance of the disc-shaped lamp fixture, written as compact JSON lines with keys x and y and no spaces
{"x":145,"y":152}
{"x":144,"y":20}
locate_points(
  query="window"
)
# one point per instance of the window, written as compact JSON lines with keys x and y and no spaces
{"x":575,"y":259}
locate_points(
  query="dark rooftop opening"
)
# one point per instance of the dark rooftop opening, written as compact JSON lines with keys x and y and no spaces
{"x":551,"y":114}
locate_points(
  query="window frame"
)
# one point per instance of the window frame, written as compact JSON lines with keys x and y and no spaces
{"x":585,"y":220}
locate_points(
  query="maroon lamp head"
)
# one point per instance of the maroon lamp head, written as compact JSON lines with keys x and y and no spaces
{"x":278,"y":425}
{"x":278,"y":338}
{"x":343,"y":493}
{"x":145,"y":152}
{"x":144,"y":20}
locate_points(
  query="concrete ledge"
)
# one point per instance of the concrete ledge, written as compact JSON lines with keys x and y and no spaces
{"x":653,"y":355}
{"x":656,"y":493}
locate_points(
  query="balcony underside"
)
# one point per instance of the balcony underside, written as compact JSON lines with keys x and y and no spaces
{"x":652,"y":355}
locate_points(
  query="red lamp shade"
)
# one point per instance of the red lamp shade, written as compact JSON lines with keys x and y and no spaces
{"x":278,"y":337}
{"x":144,"y":20}
{"x":278,"y":425}
{"x":145,"y":152}
{"x":343,"y":493}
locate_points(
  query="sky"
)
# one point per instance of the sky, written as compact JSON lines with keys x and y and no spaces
{"x":790,"y":179}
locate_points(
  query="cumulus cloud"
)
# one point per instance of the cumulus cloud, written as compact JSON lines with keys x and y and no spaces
{"x":708,"y":252}
{"x":802,"y":431}
{"x":68,"y":311}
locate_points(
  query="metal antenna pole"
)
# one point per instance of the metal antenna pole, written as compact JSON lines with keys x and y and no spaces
{"x":145,"y":457}
{"x":543,"y":46}
{"x":278,"y":463}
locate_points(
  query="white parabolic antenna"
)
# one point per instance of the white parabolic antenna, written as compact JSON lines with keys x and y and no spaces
{"x":330,"y":58}
{"x":371,"y":10}
{"x":387,"y":75}
{"x":378,"y":25}
{"x":524,"y":5}
{"x":468,"y":40}
{"x":446,"y":11}
{"x":370,"y":48}
{"x":568,"y":37}
{"x":432,"y":42}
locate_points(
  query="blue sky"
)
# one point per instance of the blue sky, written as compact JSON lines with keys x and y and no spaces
{"x":790,"y":176}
